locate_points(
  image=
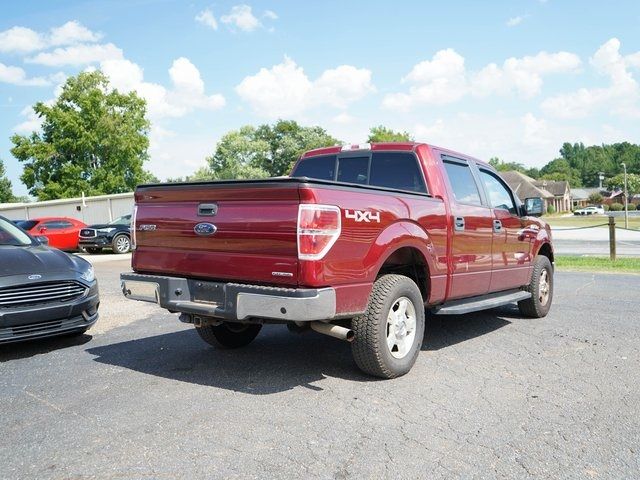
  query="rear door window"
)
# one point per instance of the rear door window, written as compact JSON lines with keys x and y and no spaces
{"x":465,"y":189}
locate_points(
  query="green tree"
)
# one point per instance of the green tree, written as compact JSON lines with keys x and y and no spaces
{"x":265,"y":151}
{"x":559,"y":169}
{"x":595,"y":199}
{"x":382,"y":134}
{"x":6,"y":194}
{"x":617,"y":183}
{"x":93,"y":140}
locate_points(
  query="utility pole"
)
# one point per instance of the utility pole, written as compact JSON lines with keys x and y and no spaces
{"x":626,"y":200}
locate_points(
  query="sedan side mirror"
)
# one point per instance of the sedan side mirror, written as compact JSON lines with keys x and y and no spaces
{"x":42,"y":240}
{"x":534,"y":207}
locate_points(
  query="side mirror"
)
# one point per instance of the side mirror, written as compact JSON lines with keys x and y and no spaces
{"x":43,"y":229}
{"x":534,"y":207}
{"x":42,"y":240}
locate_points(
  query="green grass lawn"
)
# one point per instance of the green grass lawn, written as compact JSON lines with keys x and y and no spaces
{"x":597,"y":264}
{"x":588,"y":221}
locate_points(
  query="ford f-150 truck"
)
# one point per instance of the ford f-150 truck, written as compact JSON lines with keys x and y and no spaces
{"x":357,"y":243}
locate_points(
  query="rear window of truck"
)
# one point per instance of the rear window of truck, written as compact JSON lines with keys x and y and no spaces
{"x":395,"y":170}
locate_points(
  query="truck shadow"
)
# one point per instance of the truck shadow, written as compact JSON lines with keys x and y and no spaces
{"x":277,"y":361}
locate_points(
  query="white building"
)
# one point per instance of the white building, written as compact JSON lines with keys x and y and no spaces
{"x":90,"y":210}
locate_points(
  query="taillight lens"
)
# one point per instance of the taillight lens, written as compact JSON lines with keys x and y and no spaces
{"x":318,"y":229}
{"x":133,"y":227}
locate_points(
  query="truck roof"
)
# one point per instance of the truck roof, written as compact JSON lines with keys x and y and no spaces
{"x":396,"y":146}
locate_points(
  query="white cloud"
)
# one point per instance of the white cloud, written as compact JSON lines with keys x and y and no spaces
{"x":20,"y":40}
{"x":17,"y":76}
{"x":621,"y":97}
{"x":72,"y":33}
{"x":444,"y":79}
{"x":285,"y":90}
{"x":514,"y":21}
{"x":77,"y":55}
{"x":241,"y":17}
{"x":342,"y":118}
{"x":24,"y":40}
{"x":206,"y":18}
{"x":187,"y":92}
{"x":270,"y":14}
{"x":31,"y":122}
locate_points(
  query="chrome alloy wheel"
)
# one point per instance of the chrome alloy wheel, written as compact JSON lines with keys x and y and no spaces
{"x":544,"y":287}
{"x":123,"y":244}
{"x":401,"y":327}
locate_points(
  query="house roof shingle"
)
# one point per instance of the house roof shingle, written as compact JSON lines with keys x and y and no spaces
{"x":524,"y":186}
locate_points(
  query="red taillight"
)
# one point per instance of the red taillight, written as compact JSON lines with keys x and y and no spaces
{"x":133,"y":227}
{"x":318,"y":229}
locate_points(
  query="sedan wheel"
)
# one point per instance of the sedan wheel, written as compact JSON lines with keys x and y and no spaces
{"x":121,"y":244}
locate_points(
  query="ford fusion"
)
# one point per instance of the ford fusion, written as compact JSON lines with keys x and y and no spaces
{"x":43,"y":291}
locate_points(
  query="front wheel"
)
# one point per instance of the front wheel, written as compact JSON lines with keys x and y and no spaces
{"x":229,"y":334}
{"x":389,"y":334}
{"x":541,"y":288}
{"x":121,"y":244}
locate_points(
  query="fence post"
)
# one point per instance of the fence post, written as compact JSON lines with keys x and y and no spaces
{"x":612,"y":237}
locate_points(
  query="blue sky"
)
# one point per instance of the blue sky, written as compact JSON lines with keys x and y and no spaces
{"x":512,"y":79}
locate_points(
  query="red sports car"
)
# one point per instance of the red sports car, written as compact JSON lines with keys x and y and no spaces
{"x":62,"y":232}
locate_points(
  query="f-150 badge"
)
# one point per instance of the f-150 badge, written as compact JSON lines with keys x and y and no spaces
{"x":363,"y":215}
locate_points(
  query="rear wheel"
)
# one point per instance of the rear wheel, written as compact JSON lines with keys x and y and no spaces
{"x":541,"y":288}
{"x":121,"y":244}
{"x":389,"y":334}
{"x":229,"y":334}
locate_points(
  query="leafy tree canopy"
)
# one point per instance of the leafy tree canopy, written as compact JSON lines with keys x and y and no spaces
{"x":93,"y":140}
{"x":265,"y":151}
{"x":617,"y":183}
{"x":382,"y":134}
{"x":502,"y":166}
{"x":6,"y":194}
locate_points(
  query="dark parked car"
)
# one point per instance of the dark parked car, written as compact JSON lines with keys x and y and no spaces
{"x":115,"y":235}
{"x":43,"y":291}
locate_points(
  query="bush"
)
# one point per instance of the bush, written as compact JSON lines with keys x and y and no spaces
{"x":616,"y":207}
{"x":595,"y":199}
{"x":606,"y":207}
{"x":551,"y":209}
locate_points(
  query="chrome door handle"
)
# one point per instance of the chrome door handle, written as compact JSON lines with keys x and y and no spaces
{"x":458,"y":224}
{"x":497,"y":226}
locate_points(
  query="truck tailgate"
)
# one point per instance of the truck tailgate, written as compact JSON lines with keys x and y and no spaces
{"x":253,"y":237}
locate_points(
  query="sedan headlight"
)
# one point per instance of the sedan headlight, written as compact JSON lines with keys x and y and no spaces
{"x":106,"y":230}
{"x":89,"y":274}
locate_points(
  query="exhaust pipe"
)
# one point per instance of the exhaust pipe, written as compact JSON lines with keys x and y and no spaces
{"x":333,"y":330}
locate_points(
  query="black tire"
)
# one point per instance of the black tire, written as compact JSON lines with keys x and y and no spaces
{"x":370,"y":350}
{"x":539,"y":304}
{"x":121,"y":244}
{"x":93,"y":250}
{"x":229,"y":335}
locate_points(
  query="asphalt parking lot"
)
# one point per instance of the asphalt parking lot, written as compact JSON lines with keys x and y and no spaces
{"x":492,"y":395}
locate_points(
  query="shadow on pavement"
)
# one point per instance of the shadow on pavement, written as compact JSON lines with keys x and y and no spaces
{"x":29,"y":348}
{"x":276,"y":361}
{"x":447,"y":330}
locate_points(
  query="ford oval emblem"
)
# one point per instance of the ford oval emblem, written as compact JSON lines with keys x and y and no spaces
{"x":205,"y":229}
{"x":34,"y":277}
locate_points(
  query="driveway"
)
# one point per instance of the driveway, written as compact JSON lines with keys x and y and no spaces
{"x":492,"y":395}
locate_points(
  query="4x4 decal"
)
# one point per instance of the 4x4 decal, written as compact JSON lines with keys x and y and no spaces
{"x":363,"y":215}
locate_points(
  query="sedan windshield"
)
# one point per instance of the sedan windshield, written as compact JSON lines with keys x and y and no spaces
{"x":27,"y":224}
{"x":12,"y":235}
{"x":125,"y":220}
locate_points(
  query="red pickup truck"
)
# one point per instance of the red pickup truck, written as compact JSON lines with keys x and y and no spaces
{"x":357,"y":243}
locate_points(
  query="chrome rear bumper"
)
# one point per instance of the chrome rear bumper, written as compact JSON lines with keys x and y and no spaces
{"x":231,"y":301}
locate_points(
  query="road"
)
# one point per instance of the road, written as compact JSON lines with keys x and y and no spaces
{"x":595,"y":241}
{"x":492,"y":395}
